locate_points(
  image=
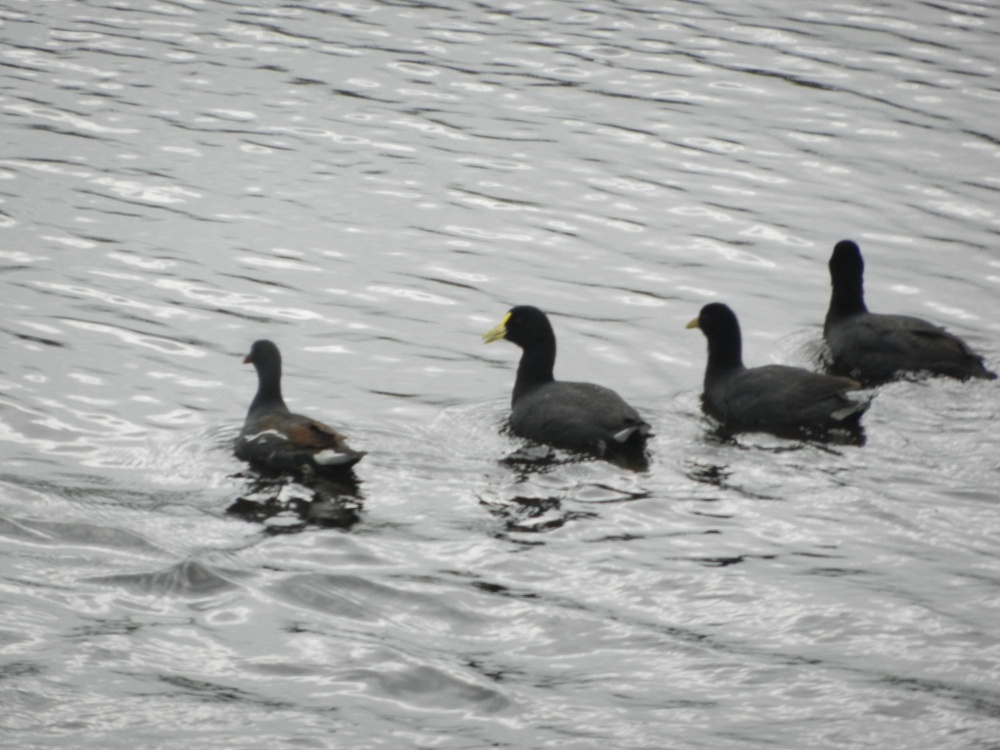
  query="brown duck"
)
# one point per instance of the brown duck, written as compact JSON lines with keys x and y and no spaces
{"x":274,"y":439}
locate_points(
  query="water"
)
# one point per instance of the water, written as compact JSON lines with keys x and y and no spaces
{"x":372,"y":185}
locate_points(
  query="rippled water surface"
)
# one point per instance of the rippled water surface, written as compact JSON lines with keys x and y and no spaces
{"x":371,"y":185}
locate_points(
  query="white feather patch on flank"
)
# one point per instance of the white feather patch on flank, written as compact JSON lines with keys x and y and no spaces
{"x":844,"y":413}
{"x":264,"y":433}
{"x":622,"y":435}
{"x":330,"y":457}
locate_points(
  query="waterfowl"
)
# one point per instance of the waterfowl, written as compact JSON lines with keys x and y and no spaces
{"x":277,"y":440}
{"x":878,"y":348}
{"x":774,"y":398}
{"x":576,"y":416}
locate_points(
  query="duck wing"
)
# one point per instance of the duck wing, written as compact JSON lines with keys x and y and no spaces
{"x":285,"y":441}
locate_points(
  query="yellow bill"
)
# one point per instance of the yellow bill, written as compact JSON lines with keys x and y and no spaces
{"x":497,"y":332}
{"x":694,"y":323}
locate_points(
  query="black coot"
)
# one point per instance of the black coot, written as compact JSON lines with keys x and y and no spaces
{"x":577,"y":416}
{"x":773,"y":398}
{"x":876,"y":348}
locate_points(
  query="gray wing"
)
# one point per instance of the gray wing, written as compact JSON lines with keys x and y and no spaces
{"x":878,"y":347}
{"x":777,"y":395}
{"x":576,"y":415}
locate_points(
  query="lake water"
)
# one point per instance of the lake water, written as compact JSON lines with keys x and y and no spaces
{"x":372,"y":185}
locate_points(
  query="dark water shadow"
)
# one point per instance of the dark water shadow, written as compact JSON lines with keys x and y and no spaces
{"x":539,"y":458}
{"x":715,"y":471}
{"x":548,"y":487}
{"x":285,"y":504}
{"x":533,"y":514}
{"x":801,"y":437}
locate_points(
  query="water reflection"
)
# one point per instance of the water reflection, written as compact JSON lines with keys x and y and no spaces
{"x":285,"y":504}
{"x":189,"y":578}
{"x":533,"y":514}
{"x":849,"y":435}
{"x":535,"y":458}
{"x":546,"y":488}
{"x":366,"y":182}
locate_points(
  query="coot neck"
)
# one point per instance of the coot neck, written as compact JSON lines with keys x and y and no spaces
{"x":847,"y":299}
{"x":535,"y":368}
{"x":724,"y":356}
{"x":268,"y":396}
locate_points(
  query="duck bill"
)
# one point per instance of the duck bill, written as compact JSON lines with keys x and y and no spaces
{"x":696,"y":323}
{"x":497,"y":332}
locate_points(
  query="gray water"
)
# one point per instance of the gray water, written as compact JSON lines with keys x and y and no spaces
{"x":372,"y":185}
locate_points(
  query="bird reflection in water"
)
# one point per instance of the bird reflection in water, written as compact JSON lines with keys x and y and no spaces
{"x":537,"y":458}
{"x":530,"y":505}
{"x":286,"y":505}
{"x":824,"y":438}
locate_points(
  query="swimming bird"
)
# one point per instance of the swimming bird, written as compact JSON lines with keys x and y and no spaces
{"x":578,"y":416}
{"x":878,"y":348}
{"x":277,"y":440}
{"x":772,"y":398}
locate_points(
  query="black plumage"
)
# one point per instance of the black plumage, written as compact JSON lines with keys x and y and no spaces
{"x":577,"y":416}
{"x":875,"y":348}
{"x":774,"y":398}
